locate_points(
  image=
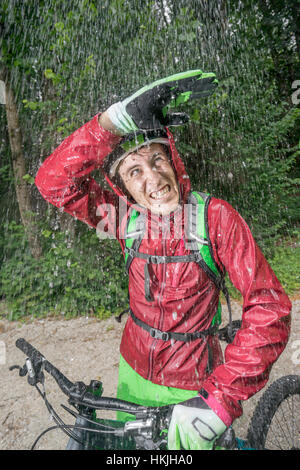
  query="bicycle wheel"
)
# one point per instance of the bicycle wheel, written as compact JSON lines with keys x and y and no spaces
{"x":275,"y":424}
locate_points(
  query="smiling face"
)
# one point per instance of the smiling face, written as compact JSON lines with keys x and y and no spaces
{"x":150,"y":179}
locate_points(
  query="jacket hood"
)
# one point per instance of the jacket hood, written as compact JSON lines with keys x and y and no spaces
{"x":178,"y":167}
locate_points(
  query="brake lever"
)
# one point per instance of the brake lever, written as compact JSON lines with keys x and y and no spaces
{"x":33,"y":376}
{"x":22,"y":370}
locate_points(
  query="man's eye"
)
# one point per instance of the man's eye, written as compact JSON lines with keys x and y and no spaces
{"x":134,"y":172}
{"x":159,"y":158}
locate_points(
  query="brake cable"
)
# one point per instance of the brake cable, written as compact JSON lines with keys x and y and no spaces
{"x":76,"y":415}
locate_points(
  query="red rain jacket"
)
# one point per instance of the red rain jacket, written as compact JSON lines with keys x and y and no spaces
{"x":185,"y":299}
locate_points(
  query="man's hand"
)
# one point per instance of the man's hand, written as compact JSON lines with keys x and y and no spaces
{"x":194,"y":426}
{"x":148,"y":107}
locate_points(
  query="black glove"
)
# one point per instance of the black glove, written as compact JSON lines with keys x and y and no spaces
{"x":148,"y":107}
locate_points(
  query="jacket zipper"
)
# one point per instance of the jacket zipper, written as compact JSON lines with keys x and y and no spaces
{"x":154,"y":343}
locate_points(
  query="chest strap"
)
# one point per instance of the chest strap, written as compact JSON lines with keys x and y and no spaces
{"x":168,"y":335}
{"x":157,"y":259}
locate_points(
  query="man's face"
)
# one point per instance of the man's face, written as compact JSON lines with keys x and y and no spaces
{"x":149,"y":178}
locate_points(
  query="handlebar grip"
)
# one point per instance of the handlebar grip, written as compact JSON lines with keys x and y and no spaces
{"x":28,"y":349}
{"x":63,"y":382}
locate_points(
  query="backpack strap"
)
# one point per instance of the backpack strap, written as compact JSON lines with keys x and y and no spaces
{"x":199,"y":241}
{"x":169,"y":335}
{"x":135,"y":229}
{"x":197,"y":235}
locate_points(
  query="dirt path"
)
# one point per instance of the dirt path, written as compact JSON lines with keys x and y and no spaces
{"x":83,"y":349}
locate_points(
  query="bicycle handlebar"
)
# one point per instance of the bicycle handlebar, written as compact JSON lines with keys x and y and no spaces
{"x":145,"y":430}
{"x":39,"y":361}
{"x":78,"y":391}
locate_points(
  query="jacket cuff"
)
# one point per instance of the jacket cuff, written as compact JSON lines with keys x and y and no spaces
{"x":100,"y":133}
{"x":217,"y":408}
{"x":225,"y":398}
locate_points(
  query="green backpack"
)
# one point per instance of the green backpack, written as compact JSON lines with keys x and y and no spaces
{"x":200,"y":252}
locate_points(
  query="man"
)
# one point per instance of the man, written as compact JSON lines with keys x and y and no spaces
{"x":169,"y":352}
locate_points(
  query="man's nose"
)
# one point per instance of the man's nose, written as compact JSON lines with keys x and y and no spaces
{"x":152,"y":174}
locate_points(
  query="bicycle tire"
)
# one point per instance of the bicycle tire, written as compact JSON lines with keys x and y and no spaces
{"x":278,"y":397}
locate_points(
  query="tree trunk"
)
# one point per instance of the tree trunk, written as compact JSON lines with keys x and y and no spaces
{"x":19,"y":168}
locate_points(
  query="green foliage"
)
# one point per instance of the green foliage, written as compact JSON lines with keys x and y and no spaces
{"x":28,"y":178}
{"x":82,"y":278}
{"x":285,"y":262}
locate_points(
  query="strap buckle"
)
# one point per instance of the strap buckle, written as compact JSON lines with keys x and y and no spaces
{"x":158,"y":334}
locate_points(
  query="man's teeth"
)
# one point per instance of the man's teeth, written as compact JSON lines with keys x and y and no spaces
{"x":161,"y":192}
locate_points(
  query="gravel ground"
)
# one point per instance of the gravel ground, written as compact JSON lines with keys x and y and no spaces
{"x":84,"y":349}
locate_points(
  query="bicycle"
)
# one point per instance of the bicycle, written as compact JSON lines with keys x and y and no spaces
{"x":148,"y":430}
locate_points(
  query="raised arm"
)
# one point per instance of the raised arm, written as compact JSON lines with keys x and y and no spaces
{"x":64,"y":178}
